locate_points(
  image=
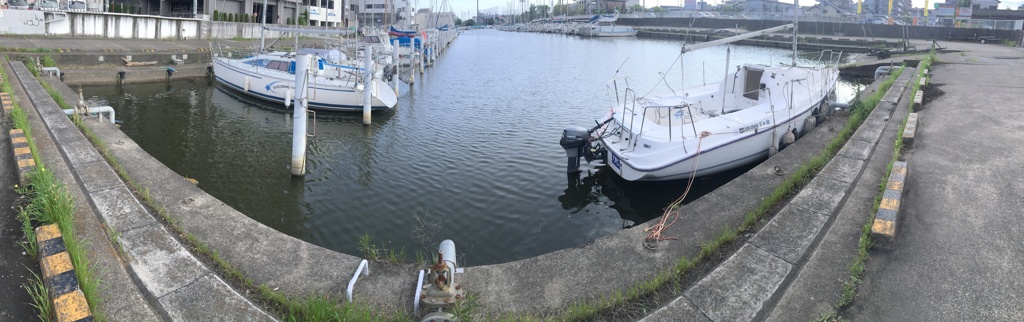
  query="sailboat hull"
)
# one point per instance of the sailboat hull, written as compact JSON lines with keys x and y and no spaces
{"x":325,"y":93}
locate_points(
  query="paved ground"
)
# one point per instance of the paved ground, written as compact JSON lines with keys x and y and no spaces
{"x":15,"y":266}
{"x":958,"y":254}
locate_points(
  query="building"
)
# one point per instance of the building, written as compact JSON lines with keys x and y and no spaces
{"x":830,"y":8}
{"x":767,"y":6}
{"x":382,"y":12}
{"x":426,"y":18}
{"x":881,"y":7}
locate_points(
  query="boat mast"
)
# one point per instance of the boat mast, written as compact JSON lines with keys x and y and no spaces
{"x":263,"y":25}
{"x":796,"y":25}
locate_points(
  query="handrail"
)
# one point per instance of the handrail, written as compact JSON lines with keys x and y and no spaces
{"x":351,"y":283}
{"x":416,"y":297}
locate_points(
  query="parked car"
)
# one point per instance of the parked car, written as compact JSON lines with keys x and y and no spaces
{"x":76,"y":5}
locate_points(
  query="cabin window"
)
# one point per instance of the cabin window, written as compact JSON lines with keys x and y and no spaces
{"x":274,"y":65}
{"x":752,"y":84}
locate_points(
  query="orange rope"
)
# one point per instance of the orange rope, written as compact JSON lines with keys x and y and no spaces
{"x":654,"y":232}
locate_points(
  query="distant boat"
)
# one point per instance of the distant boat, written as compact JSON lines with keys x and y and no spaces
{"x":333,"y":87}
{"x":604,"y":26}
{"x":395,"y":32}
{"x":754,"y":112}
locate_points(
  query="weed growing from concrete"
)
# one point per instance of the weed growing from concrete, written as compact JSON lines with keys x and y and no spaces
{"x":52,"y":204}
{"x":40,"y":297}
{"x":864,"y":243}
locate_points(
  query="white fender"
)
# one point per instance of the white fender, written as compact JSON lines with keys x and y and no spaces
{"x":246,"y":84}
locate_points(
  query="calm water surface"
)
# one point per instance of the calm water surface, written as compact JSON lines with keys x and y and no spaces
{"x":470,"y":153}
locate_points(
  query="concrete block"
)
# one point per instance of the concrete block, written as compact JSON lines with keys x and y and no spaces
{"x":80,"y":151}
{"x":121,"y":211}
{"x":822,"y":195}
{"x":789,"y":234}
{"x":843,"y":169}
{"x":857,"y":149}
{"x":160,"y":262}
{"x":871,"y":129}
{"x":922,"y":82}
{"x":910,"y":132}
{"x":918,"y":101}
{"x":885,"y":227}
{"x":97,"y":176}
{"x":679,"y":309}
{"x":193,"y":303}
{"x":737,"y":289}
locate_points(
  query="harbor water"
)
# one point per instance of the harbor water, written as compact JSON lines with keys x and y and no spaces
{"x":470,"y":153}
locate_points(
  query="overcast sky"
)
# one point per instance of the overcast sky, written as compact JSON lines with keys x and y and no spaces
{"x":467,"y":8}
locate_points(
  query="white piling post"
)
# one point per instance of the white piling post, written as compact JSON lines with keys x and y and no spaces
{"x":367,"y":82}
{"x":299,"y":116}
{"x":398,"y":65}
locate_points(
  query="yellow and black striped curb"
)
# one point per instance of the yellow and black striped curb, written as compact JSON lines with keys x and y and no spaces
{"x":59,"y":275}
{"x":910,"y":131}
{"x":5,"y":100}
{"x":885,"y":226}
{"x":22,"y":155}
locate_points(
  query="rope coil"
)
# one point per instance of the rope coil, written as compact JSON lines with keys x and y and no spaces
{"x":654,"y":232}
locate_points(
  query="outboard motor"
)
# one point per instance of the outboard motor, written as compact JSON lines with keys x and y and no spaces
{"x":574,"y":141}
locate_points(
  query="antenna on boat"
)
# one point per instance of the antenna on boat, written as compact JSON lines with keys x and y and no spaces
{"x":796,"y":25}
{"x":620,"y":67}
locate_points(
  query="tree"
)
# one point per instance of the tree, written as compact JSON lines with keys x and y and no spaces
{"x":658,"y":9}
{"x":637,"y":8}
{"x":216,"y":15}
{"x":532,"y":12}
{"x":560,"y":9}
{"x":458,"y":21}
{"x":469,"y":23}
{"x":304,"y":18}
{"x":542,"y":10}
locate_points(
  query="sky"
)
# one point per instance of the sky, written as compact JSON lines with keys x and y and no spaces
{"x":467,"y":8}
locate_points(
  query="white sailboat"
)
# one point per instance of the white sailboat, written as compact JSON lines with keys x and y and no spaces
{"x":334,"y":85}
{"x":604,"y":26}
{"x":755,"y":111}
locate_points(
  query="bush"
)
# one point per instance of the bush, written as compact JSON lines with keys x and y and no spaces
{"x":216,"y":14}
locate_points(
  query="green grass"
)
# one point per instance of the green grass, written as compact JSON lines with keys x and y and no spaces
{"x":50,"y":203}
{"x":858,"y":265}
{"x":40,"y":297}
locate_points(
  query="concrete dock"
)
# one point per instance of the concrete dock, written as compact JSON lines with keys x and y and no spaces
{"x":954,"y":259}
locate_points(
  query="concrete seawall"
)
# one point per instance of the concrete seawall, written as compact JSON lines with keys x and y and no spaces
{"x":532,"y":286}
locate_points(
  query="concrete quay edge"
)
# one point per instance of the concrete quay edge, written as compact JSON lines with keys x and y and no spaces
{"x":300,"y":269}
{"x":155,"y":260}
{"x":744,"y":285}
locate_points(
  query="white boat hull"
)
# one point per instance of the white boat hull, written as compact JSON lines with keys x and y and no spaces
{"x":714,"y":156}
{"x":606,"y":31}
{"x":325,"y":93}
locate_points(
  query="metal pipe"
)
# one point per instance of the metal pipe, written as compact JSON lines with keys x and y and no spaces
{"x":367,"y":82}
{"x":96,"y":110}
{"x":363,"y":268}
{"x":416,"y":297}
{"x":447,"y":249}
{"x":299,"y":116}
{"x":52,"y":70}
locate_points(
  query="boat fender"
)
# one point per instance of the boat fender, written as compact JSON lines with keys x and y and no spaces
{"x":809,"y":124}
{"x":288,"y":98}
{"x":788,"y":139}
{"x":246,"y":84}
